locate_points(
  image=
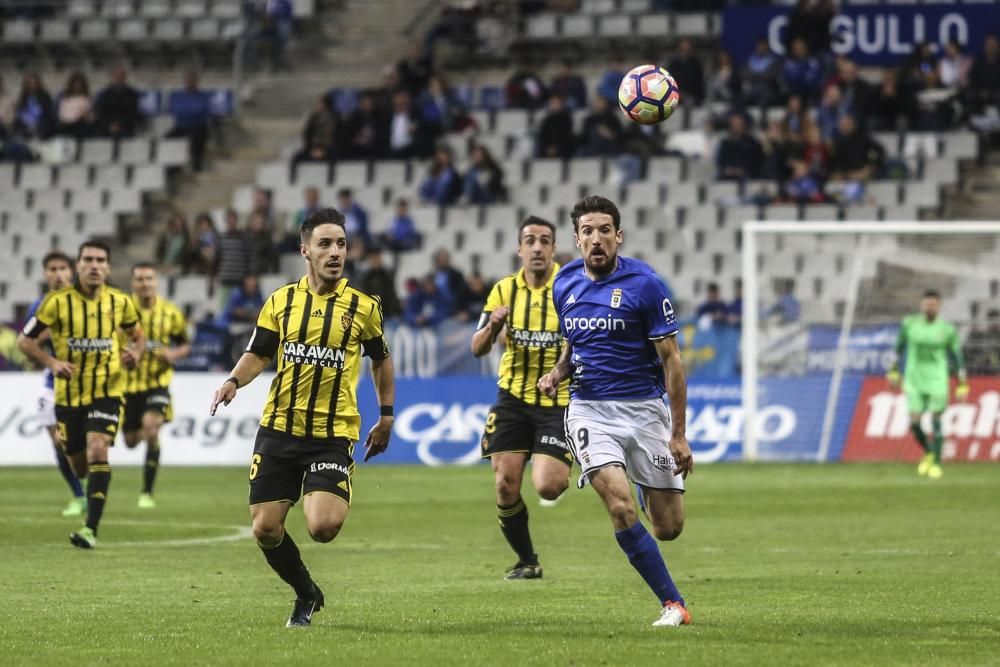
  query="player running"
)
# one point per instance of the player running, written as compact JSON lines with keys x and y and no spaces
{"x":621,"y":344}
{"x":147,"y":390}
{"x":58,"y":271}
{"x":319,"y":328}
{"x":84,"y":321}
{"x":524,"y":423}
{"x":927,"y":341}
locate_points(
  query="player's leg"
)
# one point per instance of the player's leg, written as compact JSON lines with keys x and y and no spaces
{"x":98,"y":484}
{"x":132,"y":420}
{"x":549,"y":475}
{"x":328,"y":489}
{"x":916,"y":403}
{"x":936,"y":404}
{"x":152,"y":421}
{"x":78,"y":504}
{"x":551,"y":460}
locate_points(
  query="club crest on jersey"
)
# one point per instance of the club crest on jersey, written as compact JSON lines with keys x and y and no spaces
{"x":346,"y":320}
{"x":616,"y":297}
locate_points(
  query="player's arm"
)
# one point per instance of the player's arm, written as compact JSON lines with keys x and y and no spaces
{"x":955,"y":346}
{"x":548,"y":384}
{"x":491,"y":323}
{"x":29,"y":342}
{"x":136,"y":344}
{"x":383,"y":376}
{"x":180,"y":346}
{"x":893,"y":374}
{"x":673,"y":371}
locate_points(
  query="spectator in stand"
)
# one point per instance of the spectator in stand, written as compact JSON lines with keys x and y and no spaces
{"x":366,"y":133}
{"x":763,"y":73}
{"x":686,"y":69}
{"x":449,"y":282}
{"x":173,"y":247}
{"x":787,"y":308}
{"x":262,"y":254}
{"x":803,"y":186}
{"x":205,"y":251}
{"x":525,"y":89}
{"x":319,"y":135}
{"x":379,"y":280}
{"x":355,"y":217}
{"x":739,"y":155}
{"x":401,"y":234}
{"x":890,"y":108}
{"x":984,"y":78}
{"x":440,"y":109}
{"x":815,"y":152}
{"x":243,"y":304}
{"x":414,"y":72}
{"x":35,"y":114}
{"x":478,"y":292}
{"x":607,"y":87}
{"x":602,"y":130}
{"x":779,"y":150}
{"x":425,"y":305}
{"x":192,"y":117}
{"x":233,"y":256}
{"x":803,"y":72}
{"x":725,"y":85}
{"x":855,"y":92}
{"x":408,"y":137}
{"x":855,"y":156}
{"x":982,"y":347}
{"x":442,"y":186}
{"x":555,"y":133}
{"x":713,"y":311}
{"x":935,"y":109}
{"x":735,"y":308}
{"x":795,"y":116}
{"x":921,"y":61}
{"x":117,"y":107}
{"x":310,"y":204}
{"x":830,"y":111}
{"x":275,"y":18}
{"x":810,"y":22}
{"x":483,"y":182}
{"x":76,"y":114}
{"x":262,"y":205}
{"x":569,"y":86}
{"x":7,"y":112}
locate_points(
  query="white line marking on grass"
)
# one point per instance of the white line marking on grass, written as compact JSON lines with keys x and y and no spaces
{"x":236,"y":532}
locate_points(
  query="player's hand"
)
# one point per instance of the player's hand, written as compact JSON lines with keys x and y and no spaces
{"x":224,"y":394}
{"x":63,"y":369}
{"x":893,"y":377}
{"x":129,"y":358}
{"x":378,"y":437}
{"x":962,"y":391}
{"x":683,"y":459}
{"x":498,"y":318}
{"x":548,"y":385}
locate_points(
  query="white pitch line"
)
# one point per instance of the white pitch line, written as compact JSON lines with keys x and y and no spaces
{"x":239,"y":532}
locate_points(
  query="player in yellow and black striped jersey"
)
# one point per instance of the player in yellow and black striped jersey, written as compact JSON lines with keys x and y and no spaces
{"x":84,"y":322}
{"x":523,"y":423}
{"x":147,"y":391}
{"x":318,"y":328}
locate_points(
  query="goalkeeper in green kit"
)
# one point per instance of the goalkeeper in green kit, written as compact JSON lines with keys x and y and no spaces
{"x":927,"y":341}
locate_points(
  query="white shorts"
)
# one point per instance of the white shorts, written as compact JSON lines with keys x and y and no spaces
{"x":47,"y":407}
{"x":632,"y":434}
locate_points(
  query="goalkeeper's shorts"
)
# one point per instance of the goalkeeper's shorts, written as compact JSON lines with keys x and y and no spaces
{"x":919,"y":402}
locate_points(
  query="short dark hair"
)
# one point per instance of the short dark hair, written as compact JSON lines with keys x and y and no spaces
{"x":143,"y":265}
{"x":93,"y":243}
{"x":56,"y":256}
{"x":931,"y":294}
{"x":324,"y":216}
{"x":345,"y":192}
{"x":713,"y":287}
{"x":535,"y":220}
{"x":595,"y":204}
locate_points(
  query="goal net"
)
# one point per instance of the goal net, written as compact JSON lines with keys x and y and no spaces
{"x":822,"y":307}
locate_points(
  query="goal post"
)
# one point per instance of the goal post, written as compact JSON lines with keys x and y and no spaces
{"x":822,"y":302}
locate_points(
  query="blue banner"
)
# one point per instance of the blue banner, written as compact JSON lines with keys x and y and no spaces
{"x":870,"y":349}
{"x":867,"y":34}
{"x":439,"y":421}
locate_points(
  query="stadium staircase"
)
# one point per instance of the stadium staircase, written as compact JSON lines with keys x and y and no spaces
{"x":352,"y":40}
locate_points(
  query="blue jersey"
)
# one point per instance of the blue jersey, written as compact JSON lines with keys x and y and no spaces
{"x":47,"y":374}
{"x":611,"y":324}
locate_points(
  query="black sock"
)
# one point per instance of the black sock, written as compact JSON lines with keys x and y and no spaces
{"x":284,"y":558}
{"x":918,"y":433}
{"x":152,"y":465}
{"x":98,"y":481}
{"x":514,"y":525}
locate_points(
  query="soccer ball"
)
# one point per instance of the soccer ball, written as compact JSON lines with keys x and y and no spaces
{"x":648,"y":94}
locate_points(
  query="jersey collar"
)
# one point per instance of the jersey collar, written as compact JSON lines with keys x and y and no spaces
{"x":523,"y":283}
{"x":337,"y":291}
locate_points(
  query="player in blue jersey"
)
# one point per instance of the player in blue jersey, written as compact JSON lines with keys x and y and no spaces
{"x":58,"y":271}
{"x":621,"y":355}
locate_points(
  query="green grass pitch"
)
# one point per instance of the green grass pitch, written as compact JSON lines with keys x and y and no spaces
{"x":781,"y":564}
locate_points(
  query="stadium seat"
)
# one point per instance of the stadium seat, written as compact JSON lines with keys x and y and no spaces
{"x":81,"y":8}
{"x":97,"y":151}
{"x":204,"y":30}
{"x":586,"y":171}
{"x":155,"y":9}
{"x":55,"y":32}
{"x":74,"y":176}
{"x":961,"y":145}
{"x":785,"y":212}
{"x":172,"y":152}
{"x":8,"y":172}
{"x":391,"y":172}
{"x":19,"y":32}
{"x":191,"y":9}
{"x":117,"y":10}
{"x":924,"y":195}
{"x":110,"y":176}
{"x":515,"y":122}
{"x":542,"y":26}
{"x":644,"y":193}
{"x":93,"y":31}
{"x":820,"y":212}
{"x":736,"y":216}
{"x":312,"y":174}
{"x":577,"y":26}
{"x":148,"y":177}
{"x":900,"y":213}
{"x":691,"y":25}
{"x":546,"y":170}
{"x":132,"y":30}
{"x":168,"y":30}
{"x":653,"y":25}
{"x":683,"y":194}
{"x":943,"y":171}
{"x":226,"y":9}
{"x":920,"y":144}
{"x":350,"y":174}
{"x":90,"y":200}
{"x":885,"y":193}
{"x":597,"y":6}
{"x":134,"y":151}
{"x":615,"y":26}
{"x":500,"y":217}
{"x":35,"y":176}
{"x":562,"y":194}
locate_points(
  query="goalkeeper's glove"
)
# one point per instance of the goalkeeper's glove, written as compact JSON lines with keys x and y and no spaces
{"x":962,"y":390}
{"x":893,"y":377}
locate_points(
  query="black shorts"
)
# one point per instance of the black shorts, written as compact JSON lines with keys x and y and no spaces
{"x":514,"y":426}
{"x":74,"y":423}
{"x":141,"y":402}
{"x":284,"y":467}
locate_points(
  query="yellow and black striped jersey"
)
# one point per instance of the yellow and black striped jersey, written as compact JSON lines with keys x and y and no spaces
{"x":164,"y":326}
{"x":319,"y":341}
{"x":534,"y":342}
{"x":85,"y":333}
